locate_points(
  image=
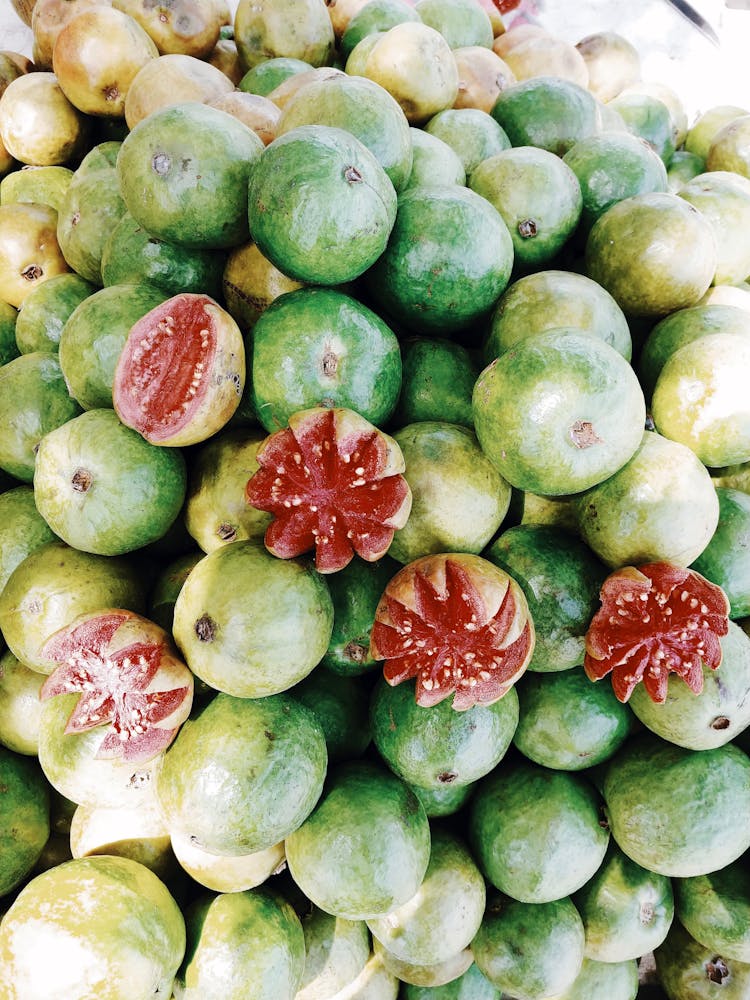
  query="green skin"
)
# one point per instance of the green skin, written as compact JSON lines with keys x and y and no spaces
{"x":167,"y":586}
{"x":730,"y":148}
{"x":104,"y":489}
{"x":357,"y":61}
{"x":243,"y":773}
{"x":707,"y":125}
{"x":612,"y":166}
{"x":90,"y":210}
{"x":24,"y":817}
{"x":361,"y":107}
{"x":561,"y":579}
{"x":93,"y":338}
{"x":437,"y":747}
{"x":472,"y":985}
{"x":538,"y":196}
{"x":615,"y":981}
{"x":530,"y":950}
{"x":459,"y":499}
{"x":554,"y":511}
{"x":682,"y":168}
{"x":336,"y":952}
{"x":434,"y":161}
{"x":443,"y":801}
{"x":43,"y":185}
{"x":438,"y":378}
{"x":334,"y":858}
{"x":703,"y":828}
{"x":438,"y":974}
{"x":340,"y":705}
{"x":38,"y":600}
{"x":660,"y":506}
{"x":558,"y":413}
{"x":100,"y":157}
{"x":46,"y":310}
{"x":227,"y":617}
{"x":374,"y":982}
{"x":566,"y":722}
{"x":537,"y":834}
{"x":239,"y":938}
{"x":724,"y":560}
{"x":34,"y":401}
{"x":436,"y":287}
{"x":681,"y":328}
{"x":650,"y":120}
{"x":444,"y":915}
{"x":300,"y":175}
{"x":722,"y":710}
{"x":131,"y":255}
{"x":723,"y":198}
{"x":355,"y":591}
{"x":319,"y":347}
{"x":551,"y":300}
{"x":377,"y":15}
{"x":460,"y":22}
{"x":19,"y":706}
{"x":136,"y":832}
{"x":715,"y":909}
{"x":547,"y":112}
{"x":626,"y":910}
{"x":216,"y":512}
{"x":22,"y":529}
{"x":117,"y":932}
{"x":71,"y":765}
{"x":184,"y":172}
{"x":700,"y":399}
{"x":733,"y":477}
{"x":471,"y":133}
{"x":688,"y":971}
{"x":297,"y":29}
{"x":267,"y":75}
{"x":635,"y":250}
{"x":9,"y":348}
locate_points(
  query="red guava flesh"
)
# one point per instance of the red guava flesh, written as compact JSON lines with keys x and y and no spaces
{"x":656,"y":619}
{"x":180,"y":375}
{"x":128,"y":676}
{"x":458,"y":624}
{"x":333,"y":482}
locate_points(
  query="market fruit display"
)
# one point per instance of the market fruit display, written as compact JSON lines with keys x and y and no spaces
{"x":374,"y":510}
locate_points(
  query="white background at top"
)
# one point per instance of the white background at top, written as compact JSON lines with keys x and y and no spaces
{"x":672,"y":51}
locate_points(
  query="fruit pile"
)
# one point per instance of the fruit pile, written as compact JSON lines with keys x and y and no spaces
{"x":374,"y":510}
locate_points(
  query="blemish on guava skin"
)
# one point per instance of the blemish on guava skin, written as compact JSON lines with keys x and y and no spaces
{"x":527,"y":228}
{"x":717,"y":971}
{"x":646,"y":913}
{"x":355,"y":652}
{"x":81,"y":480}
{"x":583,"y":434}
{"x":206,"y":628}
{"x":720,"y":722}
{"x":447,"y":777}
{"x":329,"y":363}
{"x":32,"y":272}
{"x":161,"y":163}
{"x":352,"y":175}
{"x":226,"y":532}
